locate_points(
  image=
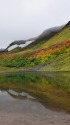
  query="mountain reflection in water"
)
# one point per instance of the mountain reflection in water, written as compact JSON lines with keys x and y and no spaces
{"x":52,"y":90}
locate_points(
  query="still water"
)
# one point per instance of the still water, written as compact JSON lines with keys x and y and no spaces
{"x":35,"y":98}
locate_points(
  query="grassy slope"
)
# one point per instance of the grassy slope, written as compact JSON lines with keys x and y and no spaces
{"x":60,"y":37}
{"x":62,"y":62}
{"x":56,"y":49}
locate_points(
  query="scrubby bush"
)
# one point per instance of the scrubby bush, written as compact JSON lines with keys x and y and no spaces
{"x":36,"y":61}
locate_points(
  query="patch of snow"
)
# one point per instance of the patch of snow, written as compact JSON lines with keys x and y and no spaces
{"x":22,"y":45}
{"x":12,"y":47}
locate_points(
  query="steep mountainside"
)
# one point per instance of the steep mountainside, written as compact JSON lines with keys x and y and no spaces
{"x":20,"y":45}
{"x":46,"y":35}
{"x":51,"y":55}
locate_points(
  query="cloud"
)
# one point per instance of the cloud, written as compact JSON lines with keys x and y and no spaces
{"x":22,"y":19}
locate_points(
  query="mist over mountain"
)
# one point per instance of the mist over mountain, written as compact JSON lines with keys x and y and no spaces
{"x":21,"y":20}
{"x":20,"y":42}
{"x":50,"y":30}
{"x":50,"y":51}
{"x":47,"y":34}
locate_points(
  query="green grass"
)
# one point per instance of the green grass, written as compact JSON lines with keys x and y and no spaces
{"x":62,"y":62}
{"x":64,"y":35}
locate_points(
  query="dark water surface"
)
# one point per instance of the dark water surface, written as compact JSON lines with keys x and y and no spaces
{"x":42,"y":95}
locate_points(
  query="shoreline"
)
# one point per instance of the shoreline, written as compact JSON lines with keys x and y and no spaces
{"x":34,"y":119}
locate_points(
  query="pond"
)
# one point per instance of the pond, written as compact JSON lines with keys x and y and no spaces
{"x":35,"y":98}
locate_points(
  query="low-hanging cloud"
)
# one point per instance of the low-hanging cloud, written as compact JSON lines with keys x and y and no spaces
{"x":23,"y":19}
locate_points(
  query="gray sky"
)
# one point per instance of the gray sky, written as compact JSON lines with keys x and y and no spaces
{"x":23,"y":19}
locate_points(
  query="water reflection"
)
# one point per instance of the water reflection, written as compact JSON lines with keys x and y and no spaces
{"x":52,"y":90}
{"x":19,"y":95}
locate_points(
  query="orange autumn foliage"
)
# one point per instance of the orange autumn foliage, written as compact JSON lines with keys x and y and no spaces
{"x":52,"y":49}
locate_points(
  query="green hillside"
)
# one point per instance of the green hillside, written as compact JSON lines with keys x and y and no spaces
{"x":60,"y":37}
{"x":49,"y":55}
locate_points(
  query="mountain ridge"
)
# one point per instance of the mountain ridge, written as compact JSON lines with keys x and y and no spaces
{"x":51,"y":55}
{"x":47,"y":34}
